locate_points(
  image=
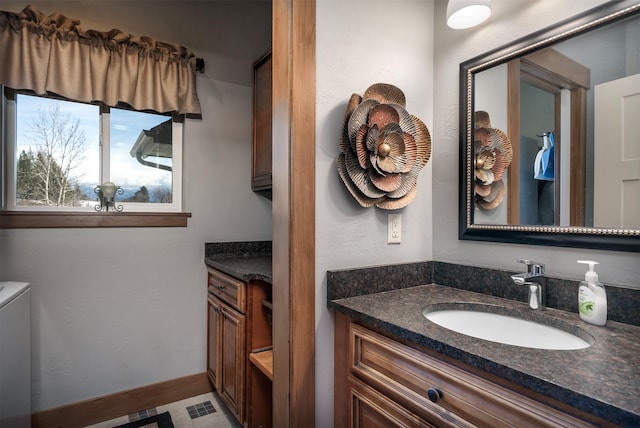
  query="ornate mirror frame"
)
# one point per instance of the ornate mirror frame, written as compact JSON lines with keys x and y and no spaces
{"x":564,"y":236}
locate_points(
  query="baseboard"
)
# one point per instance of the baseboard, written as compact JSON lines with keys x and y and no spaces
{"x":111,"y":406}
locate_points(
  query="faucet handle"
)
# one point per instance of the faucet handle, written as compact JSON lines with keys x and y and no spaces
{"x":535,"y":268}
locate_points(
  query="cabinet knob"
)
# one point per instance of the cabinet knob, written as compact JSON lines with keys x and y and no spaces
{"x":434,"y":394}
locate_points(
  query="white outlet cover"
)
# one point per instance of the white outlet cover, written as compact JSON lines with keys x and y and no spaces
{"x":394,"y":229}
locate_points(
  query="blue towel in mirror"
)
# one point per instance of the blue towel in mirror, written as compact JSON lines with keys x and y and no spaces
{"x":543,"y":164}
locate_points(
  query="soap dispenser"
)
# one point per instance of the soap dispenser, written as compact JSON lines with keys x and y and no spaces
{"x":592,"y":297}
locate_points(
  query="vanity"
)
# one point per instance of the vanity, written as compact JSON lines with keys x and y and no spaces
{"x":394,"y":367}
{"x":239,"y":340}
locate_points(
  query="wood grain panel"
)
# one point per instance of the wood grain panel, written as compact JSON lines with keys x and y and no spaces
{"x":403,"y":374}
{"x":578,"y":156}
{"x":228,"y":289}
{"x":40,"y":219}
{"x":513,"y":132}
{"x":293,"y":108}
{"x":261,"y":147}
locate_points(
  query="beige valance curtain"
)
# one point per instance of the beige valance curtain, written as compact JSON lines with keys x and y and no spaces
{"x":53,"y":54}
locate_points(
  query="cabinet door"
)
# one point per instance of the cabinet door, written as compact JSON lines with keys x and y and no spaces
{"x":232,"y":357}
{"x":261,"y":150}
{"x":370,"y":409}
{"x":213,"y":342}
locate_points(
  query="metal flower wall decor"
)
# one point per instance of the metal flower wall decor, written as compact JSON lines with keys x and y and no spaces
{"x":383,"y":148}
{"x":493,"y":154}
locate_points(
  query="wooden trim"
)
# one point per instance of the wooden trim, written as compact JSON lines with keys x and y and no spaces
{"x":261,"y":124}
{"x":341,"y":366}
{"x":578,"y":156}
{"x":112,"y":406}
{"x":263,"y":360}
{"x":552,"y":66}
{"x":550,"y":70}
{"x":513,"y":132}
{"x":557,"y":153}
{"x":65,"y":219}
{"x":293,"y":249}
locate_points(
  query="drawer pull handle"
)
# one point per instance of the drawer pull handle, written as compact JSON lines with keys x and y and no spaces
{"x":434,"y":394}
{"x":220,"y":286}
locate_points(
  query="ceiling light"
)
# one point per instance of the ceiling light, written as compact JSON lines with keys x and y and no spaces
{"x":467,"y":13}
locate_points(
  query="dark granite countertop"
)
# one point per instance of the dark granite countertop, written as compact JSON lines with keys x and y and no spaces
{"x":243,"y":267}
{"x":243,"y":260}
{"x":603,"y":379}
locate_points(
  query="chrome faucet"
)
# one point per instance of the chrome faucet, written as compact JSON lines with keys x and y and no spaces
{"x":534,"y":279}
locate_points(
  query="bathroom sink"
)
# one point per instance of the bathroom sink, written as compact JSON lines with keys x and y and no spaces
{"x":496,"y":324}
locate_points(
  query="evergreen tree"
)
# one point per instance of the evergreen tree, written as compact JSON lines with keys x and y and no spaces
{"x":33,"y":184}
{"x":27,"y":181}
{"x":141,"y":195}
{"x":162,"y":195}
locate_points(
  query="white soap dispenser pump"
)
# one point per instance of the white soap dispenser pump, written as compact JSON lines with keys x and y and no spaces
{"x":592,"y":297}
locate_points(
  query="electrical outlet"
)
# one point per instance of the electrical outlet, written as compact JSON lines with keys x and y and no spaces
{"x":394,"y":229}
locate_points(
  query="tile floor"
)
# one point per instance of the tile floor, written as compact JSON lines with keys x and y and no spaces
{"x":202,"y":411}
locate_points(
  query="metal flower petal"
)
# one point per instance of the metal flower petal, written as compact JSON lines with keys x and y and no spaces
{"x":387,"y":182}
{"x":383,"y":148}
{"x":363,"y":200}
{"x":382,"y":115}
{"x":360,"y":177}
{"x":385,"y":93}
{"x":493,"y":155}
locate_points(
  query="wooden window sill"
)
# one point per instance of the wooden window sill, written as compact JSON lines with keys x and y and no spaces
{"x":40,"y":219}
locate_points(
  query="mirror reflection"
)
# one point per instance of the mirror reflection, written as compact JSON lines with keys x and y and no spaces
{"x":567,"y":119}
{"x":550,"y":130}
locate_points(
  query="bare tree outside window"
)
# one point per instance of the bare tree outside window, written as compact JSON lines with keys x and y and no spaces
{"x":163,"y":195}
{"x":63,"y":149}
{"x":57,"y":147}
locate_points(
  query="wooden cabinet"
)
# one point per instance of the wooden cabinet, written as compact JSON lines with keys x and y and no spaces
{"x":261,"y":144}
{"x":260,"y":372}
{"x":226,"y":345}
{"x":380,"y":381}
{"x":226,"y":351}
{"x":239,"y":331}
{"x":213,"y":342}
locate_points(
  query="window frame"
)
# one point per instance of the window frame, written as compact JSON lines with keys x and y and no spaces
{"x":134,"y":215}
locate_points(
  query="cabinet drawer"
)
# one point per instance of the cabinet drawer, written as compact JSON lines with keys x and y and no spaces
{"x":228,"y":289}
{"x":369,"y":408}
{"x":406,"y":375}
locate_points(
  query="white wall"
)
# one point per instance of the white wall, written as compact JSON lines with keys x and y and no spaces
{"x":114,"y":309}
{"x":361,"y":42}
{"x":511,"y":19}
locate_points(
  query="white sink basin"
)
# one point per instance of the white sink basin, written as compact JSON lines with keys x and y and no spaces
{"x":506,"y":329}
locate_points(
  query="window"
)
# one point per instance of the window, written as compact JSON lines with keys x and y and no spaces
{"x":58,"y":151}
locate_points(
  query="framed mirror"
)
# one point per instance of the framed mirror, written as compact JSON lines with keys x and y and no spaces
{"x":550,"y":135}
